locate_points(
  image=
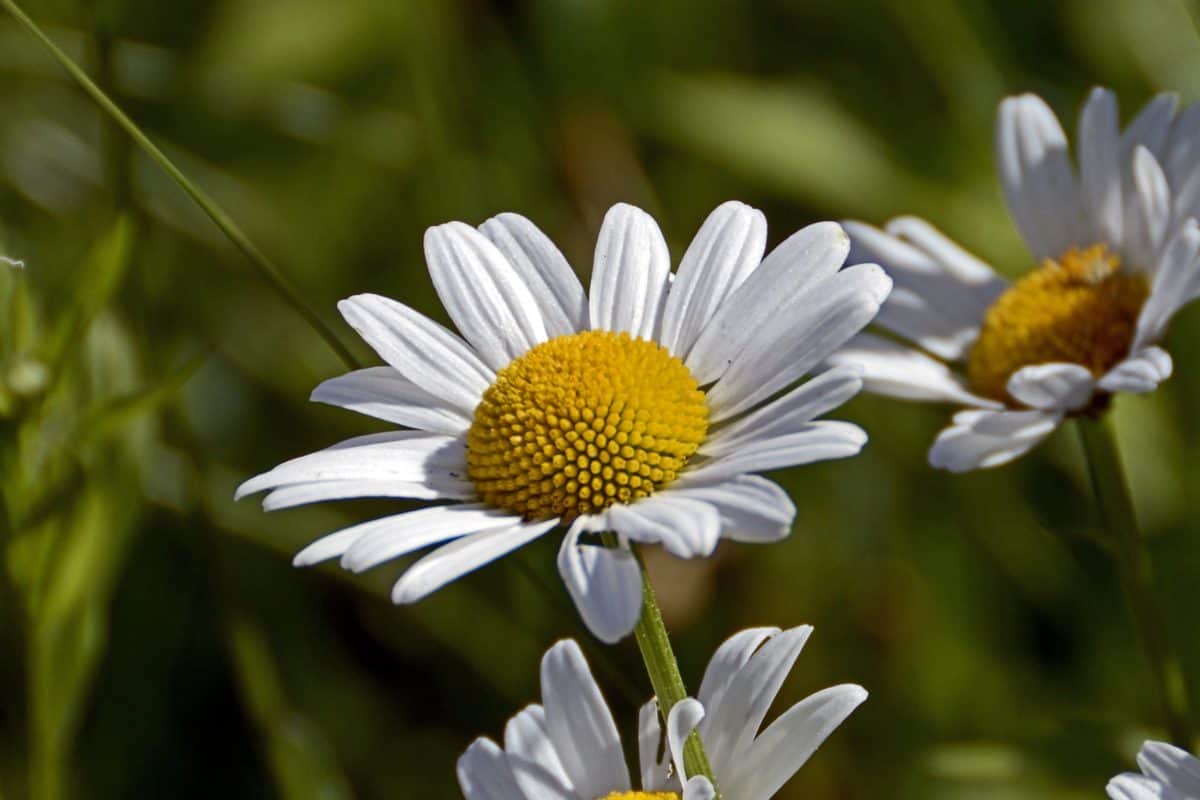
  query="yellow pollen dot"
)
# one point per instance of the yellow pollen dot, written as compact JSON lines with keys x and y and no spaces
{"x":1080,"y":309}
{"x":582,"y":422}
{"x":640,"y":796}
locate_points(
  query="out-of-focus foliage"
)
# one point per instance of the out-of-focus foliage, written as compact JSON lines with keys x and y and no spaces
{"x":155,"y":639}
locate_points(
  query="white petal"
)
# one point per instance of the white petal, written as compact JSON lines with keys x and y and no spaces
{"x":1099,"y":164}
{"x":1153,"y":199}
{"x":803,"y":404}
{"x":1151,"y":127}
{"x":383,"y":539}
{"x":482,"y":292}
{"x":1172,"y":765}
{"x":1140,"y":373}
{"x":726,"y":663}
{"x":686,"y":528}
{"x":431,"y":488}
{"x":544,"y":270}
{"x":751,"y":508}
{"x":408,"y":456}
{"x":629,"y":277}
{"x":699,"y":788}
{"x":484,"y":774}
{"x":426,"y":353}
{"x":1053,"y":387}
{"x":683,"y":719}
{"x":808,"y":256}
{"x":654,"y":767}
{"x":1176,"y":283}
{"x":898,"y":371}
{"x":730,"y":728}
{"x":799,"y":337}
{"x":452,"y":561}
{"x":816,"y":441}
{"x":1035,"y":173}
{"x":789,"y":741}
{"x":726,"y":250}
{"x":384,"y":393}
{"x":605,"y":583}
{"x":1181,"y":162}
{"x":580,"y":724}
{"x":1138,"y":787}
{"x":979,"y":439}
{"x":532,"y":758}
{"x":941,"y":293}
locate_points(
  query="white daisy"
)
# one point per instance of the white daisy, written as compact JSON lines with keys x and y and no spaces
{"x":568,"y":748}
{"x":1168,"y":773}
{"x":642,"y":409}
{"x":1118,"y":245}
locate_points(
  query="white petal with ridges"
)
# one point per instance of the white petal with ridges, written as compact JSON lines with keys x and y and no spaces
{"x":685,"y":528}
{"x":484,"y":774}
{"x":1176,"y":282}
{"x":543,"y":269}
{"x":822,"y":440}
{"x":383,"y":539}
{"x":383,"y":393}
{"x":751,"y":508}
{"x":1099,"y":164}
{"x":981,"y":439}
{"x":532,"y":758}
{"x":605,"y":583}
{"x":898,"y":371}
{"x":1140,"y":373}
{"x":1052,"y":387}
{"x":629,"y":277}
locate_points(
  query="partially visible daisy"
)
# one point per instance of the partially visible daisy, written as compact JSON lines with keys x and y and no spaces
{"x":1119,"y":253}
{"x":643,"y":409}
{"x":1168,"y":773}
{"x":569,"y":748}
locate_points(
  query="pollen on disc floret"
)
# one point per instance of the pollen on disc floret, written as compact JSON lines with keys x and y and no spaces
{"x":584,"y":421}
{"x":1080,"y":309}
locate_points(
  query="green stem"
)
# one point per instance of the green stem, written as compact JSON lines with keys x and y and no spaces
{"x":663,"y":670}
{"x":1137,"y":573}
{"x":266,"y":268}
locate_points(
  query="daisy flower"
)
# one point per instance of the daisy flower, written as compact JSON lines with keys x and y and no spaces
{"x":1117,"y":243}
{"x":568,"y":748}
{"x":1168,"y":773}
{"x":642,"y":409}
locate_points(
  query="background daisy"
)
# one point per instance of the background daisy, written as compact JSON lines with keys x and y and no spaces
{"x":1119,"y":255}
{"x":643,"y":408}
{"x":569,"y":748}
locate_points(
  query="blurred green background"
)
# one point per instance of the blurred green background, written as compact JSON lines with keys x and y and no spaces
{"x":154,"y":639}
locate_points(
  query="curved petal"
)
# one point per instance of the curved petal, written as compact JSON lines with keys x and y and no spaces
{"x":725,"y":251}
{"x":452,"y":561}
{"x":439,"y":487}
{"x":1152,"y":196}
{"x":605,"y":583}
{"x":484,"y":774}
{"x":386,"y":538}
{"x":797,"y":338}
{"x":532,"y":759}
{"x":822,"y":440}
{"x":726,"y":663}
{"x":580,"y":725}
{"x":383,"y":393}
{"x":809,"y":256}
{"x":1035,"y":173}
{"x":426,"y":353}
{"x":1176,"y":283}
{"x":1138,"y":787}
{"x":1099,"y":164}
{"x":656,"y":775}
{"x":1142,"y":372}
{"x":892,"y":369}
{"x":683,"y":719}
{"x":685,"y":528}
{"x":699,"y":788}
{"x":779,"y":751}
{"x":751,"y":508}
{"x":1053,"y":387}
{"x":629,"y":278}
{"x":980,"y":439}
{"x":489,"y":303}
{"x":542,"y":267}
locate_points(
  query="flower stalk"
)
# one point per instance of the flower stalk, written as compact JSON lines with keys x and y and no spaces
{"x":663,"y":669}
{"x":1136,"y":571}
{"x":266,"y":268}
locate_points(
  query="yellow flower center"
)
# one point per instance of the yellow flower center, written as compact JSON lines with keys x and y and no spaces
{"x":640,"y":796}
{"x":1080,"y":309}
{"x":584,"y":421}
